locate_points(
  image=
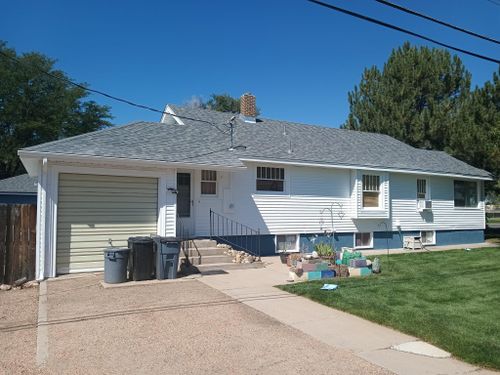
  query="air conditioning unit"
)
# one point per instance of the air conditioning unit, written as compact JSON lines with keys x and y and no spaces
{"x":423,"y":205}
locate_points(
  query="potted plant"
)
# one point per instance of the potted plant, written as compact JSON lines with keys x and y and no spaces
{"x":324,"y":251}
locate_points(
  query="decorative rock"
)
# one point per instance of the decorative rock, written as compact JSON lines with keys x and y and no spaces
{"x":20,"y":281}
{"x":30,"y":284}
{"x":5,"y":287}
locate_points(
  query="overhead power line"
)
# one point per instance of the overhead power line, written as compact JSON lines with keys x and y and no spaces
{"x":400,"y":29}
{"x":429,"y":18}
{"x":102,"y":93}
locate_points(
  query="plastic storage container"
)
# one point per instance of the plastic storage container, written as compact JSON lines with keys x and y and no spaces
{"x":115,"y":265}
{"x":167,"y":257}
{"x":141,"y":261}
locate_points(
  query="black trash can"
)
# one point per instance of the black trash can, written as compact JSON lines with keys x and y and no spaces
{"x":115,"y":265}
{"x":141,"y":260}
{"x":167,"y":257}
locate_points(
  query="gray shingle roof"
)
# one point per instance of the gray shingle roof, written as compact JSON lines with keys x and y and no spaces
{"x":22,"y":184}
{"x":200,"y":143}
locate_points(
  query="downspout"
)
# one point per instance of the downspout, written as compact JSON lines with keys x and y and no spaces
{"x":40,"y":220}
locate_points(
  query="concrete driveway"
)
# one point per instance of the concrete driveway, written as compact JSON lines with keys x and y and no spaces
{"x":177,"y":328}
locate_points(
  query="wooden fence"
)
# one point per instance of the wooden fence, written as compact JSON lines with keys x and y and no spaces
{"x":17,"y":242}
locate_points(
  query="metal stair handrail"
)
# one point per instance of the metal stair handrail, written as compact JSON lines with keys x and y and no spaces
{"x":231,"y":232}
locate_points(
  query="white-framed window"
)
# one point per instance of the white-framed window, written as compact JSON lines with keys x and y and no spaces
{"x":465,"y":193}
{"x":270,"y":179}
{"x":363,"y":240}
{"x":371,"y":191}
{"x":287,"y":243}
{"x":208,"y":182}
{"x":422,"y":189}
{"x":428,"y":237}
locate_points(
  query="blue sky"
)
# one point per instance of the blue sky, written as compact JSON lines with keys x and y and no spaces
{"x":299,"y":59}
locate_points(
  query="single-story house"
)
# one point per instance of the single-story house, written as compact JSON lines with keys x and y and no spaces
{"x":20,"y":189}
{"x":231,"y":175}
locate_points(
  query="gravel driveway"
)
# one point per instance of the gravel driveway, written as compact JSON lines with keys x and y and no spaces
{"x":178,"y":328}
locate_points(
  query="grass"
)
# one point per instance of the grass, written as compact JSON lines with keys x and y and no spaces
{"x":450,"y":299}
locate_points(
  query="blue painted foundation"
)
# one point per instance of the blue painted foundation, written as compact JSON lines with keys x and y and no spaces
{"x":455,"y":237}
{"x":391,"y":240}
{"x":381,"y":240}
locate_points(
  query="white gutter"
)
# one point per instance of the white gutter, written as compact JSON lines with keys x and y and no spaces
{"x":27,"y":156}
{"x":342,"y":166}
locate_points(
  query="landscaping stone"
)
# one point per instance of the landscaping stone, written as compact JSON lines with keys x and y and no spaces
{"x":5,"y":287}
{"x":30,"y":284}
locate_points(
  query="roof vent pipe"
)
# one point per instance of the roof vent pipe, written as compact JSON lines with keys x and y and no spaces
{"x":248,"y":109}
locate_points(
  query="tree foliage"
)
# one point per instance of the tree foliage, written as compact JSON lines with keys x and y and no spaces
{"x":36,"y":108}
{"x":224,"y":103}
{"x":422,"y":97}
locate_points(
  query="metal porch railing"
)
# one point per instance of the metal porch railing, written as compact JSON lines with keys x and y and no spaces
{"x":231,"y":232}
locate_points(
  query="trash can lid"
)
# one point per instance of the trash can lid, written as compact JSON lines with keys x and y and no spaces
{"x":116,"y":249}
{"x":167,"y":239}
{"x":140,"y":239}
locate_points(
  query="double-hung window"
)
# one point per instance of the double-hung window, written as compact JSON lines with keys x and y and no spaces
{"x":270,"y":179}
{"x":371,"y":190}
{"x":465,"y":193}
{"x":208,"y":182}
{"x":421,"y":189}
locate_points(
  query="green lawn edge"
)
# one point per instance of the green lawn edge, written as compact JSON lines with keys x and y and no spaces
{"x":450,"y":299}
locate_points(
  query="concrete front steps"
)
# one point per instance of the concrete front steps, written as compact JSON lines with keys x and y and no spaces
{"x":206,"y":256}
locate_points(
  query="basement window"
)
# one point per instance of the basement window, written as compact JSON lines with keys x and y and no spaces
{"x":286,"y":243}
{"x":363,"y":240}
{"x":270,"y":179}
{"x":428,"y":237}
{"x":208,"y":182}
{"x":371,"y":191}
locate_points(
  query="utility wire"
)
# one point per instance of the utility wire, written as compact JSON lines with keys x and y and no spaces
{"x":126,"y":101}
{"x":397,"y":28}
{"x":429,"y":18}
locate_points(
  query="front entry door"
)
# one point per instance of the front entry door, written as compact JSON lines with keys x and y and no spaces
{"x":185,"y":204}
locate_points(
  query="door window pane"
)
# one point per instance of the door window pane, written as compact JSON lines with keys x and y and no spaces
{"x":184,"y":194}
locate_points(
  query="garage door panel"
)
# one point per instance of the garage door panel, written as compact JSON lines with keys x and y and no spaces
{"x":92,"y":209}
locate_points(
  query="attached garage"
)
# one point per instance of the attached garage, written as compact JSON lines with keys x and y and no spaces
{"x":92,"y":209}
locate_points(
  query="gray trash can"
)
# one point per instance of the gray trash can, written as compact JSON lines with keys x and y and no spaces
{"x":167,"y":257}
{"x":115,"y":265}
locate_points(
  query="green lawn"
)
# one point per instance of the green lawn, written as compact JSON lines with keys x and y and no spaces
{"x":450,"y":299}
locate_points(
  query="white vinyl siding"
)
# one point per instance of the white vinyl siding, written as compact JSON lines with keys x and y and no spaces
{"x":93,"y":209}
{"x":443,"y":216}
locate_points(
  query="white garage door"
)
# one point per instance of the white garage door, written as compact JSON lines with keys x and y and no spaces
{"x":93,"y":209}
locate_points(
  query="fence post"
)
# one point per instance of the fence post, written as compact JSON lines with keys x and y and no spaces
{"x":258,"y":239}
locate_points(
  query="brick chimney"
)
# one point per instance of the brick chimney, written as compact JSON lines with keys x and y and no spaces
{"x":248,"y":110}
